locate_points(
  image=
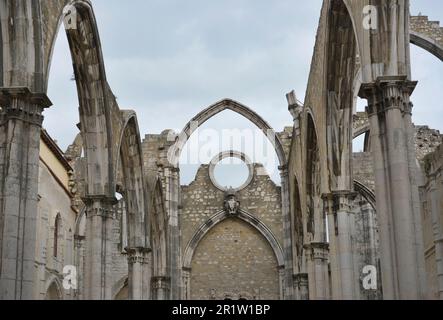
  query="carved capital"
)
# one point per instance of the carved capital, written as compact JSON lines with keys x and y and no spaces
{"x":318,"y":250}
{"x":101,"y":206}
{"x":388,"y":92}
{"x":138,"y":255}
{"x":22,"y":104}
{"x":343,"y":200}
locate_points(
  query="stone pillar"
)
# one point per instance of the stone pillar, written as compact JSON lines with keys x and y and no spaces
{"x":79,"y":250}
{"x":301,"y":284}
{"x":341,"y":254}
{"x":172,"y":205}
{"x":318,"y":254}
{"x":21,"y":119}
{"x":161,"y":287}
{"x":186,"y":290}
{"x":288,"y":286}
{"x":437,"y":227}
{"x":99,"y":223}
{"x":139,"y":275}
{"x":401,"y":251}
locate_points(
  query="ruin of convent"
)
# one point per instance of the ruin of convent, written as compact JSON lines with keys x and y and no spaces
{"x":113,"y":206}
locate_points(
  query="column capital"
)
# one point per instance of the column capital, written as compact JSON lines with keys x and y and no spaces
{"x":20,"y":103}
{"x":101,"y":206}
{"x":388,"y":92}
{"x":138,"y":255}
{"x":340,"y":200}
{"x":318,"y":250}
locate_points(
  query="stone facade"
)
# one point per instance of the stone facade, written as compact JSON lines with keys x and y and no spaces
{"x":432,"y":216}
{"x":233,"y":258}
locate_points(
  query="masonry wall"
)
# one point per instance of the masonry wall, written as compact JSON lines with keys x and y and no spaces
{"x":53,"y":200}
{"x":233,"y":257}
{"x":431,"y":194}
{"x":234,"y":261}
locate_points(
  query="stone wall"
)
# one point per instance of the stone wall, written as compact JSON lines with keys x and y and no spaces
{"x":53,"y":200}
{"x":234,"y":261}
{"x":430,"y":29}
{"x":363,"y":169}
{"x":233,"y":257}
{"x":431,"y":195}
{"x":426,"y":141}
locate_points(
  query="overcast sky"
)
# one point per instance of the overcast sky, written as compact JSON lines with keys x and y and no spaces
{"x":167,"y":60}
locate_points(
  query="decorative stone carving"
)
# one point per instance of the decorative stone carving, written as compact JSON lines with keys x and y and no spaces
{"x":231,"y":203}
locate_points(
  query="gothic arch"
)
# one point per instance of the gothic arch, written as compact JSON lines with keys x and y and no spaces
{"x":366,"y":193}
{"x":131,"y":165}
{"x":211,"y":111}
{"x":221,"y":216}
{"x":159,"y":234}
{"x":298,"y":225}
{"x":426,"y":43}
{"x":119,"y":287}
{"x":342,"y":73}
{"x":53,"y":288}
{"x":96,"y":101}
{"x":313,"y":183}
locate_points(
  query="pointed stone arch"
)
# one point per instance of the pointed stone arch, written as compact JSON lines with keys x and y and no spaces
{"x":53,"y":289}
{"x":226,"y":104}
{"x":221,"y":216}
{"x":159,"y":221}
{"x":159,"y":239}
{"x":129,"y":151}
{"x":97,"y":105}
{"x":218,"y":219}
{"x":313,"y":183}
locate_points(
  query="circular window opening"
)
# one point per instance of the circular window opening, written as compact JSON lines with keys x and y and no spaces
{"x":230,"y":170}
{"x":231,"y":173}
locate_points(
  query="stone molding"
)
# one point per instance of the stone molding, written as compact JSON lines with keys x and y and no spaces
{"x":22,"y":104}
{"x":388,"y":92}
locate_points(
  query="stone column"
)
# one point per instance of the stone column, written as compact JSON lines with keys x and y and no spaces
{"x":79,"y":249}
{"x":161,"y":287}
{"x":437,"y":227}
{"x":301,"y":284}
{"x":21,"y":119}
{"x":341,"y":254}
{"x":401,"y":252}
{"x":288,"y":289}
{"x":98,"y":279}
{"x":139,"y":275}
{"x":318,"y":254}
{"x":172,"y":205}
{"x":186,"y":290}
